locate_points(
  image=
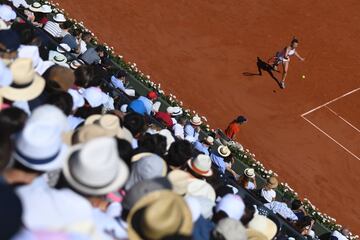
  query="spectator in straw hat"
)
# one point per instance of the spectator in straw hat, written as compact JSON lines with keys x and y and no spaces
{"x":234,"y":127}
{"x":218,"y":156}
{"x":268,"y":192}
{"x":204,"y":145}
{"x":247,"y":180}
{"x":264,"y":226}
{"x":160,"y":215}
{"x":200,"y":166}
{"x":192,"y":129}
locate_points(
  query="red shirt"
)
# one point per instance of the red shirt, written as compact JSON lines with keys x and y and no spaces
{"x":232,"y":130}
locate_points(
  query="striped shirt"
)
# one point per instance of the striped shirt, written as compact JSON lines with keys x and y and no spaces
{"x":53,"y":29}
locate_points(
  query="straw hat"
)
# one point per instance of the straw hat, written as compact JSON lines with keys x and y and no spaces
{"x":174,"y":111}
{"x":224,"y":151}
{"x":249,"y":172}
{"x":200,"y":188}
{"x":59,"y":17}
{"x":95,"y":168}
{"x":63,"y":48}
{"x":231,"y":229}
{"x":6,"y":75}
{"x":159,"y":214}
{"x":40,"y":147}
{"x":179,"y":180}
{"x":111,"y":124}
{"x":46,"y":8}
{"x":75,"y":64}
{"x":263,"y":225}
{"x":32,"y":52}
{"x":88,"y":132}
{"x":272,"y":182}
{"x":26,"y":85}
{"x":201,"y":165}
{"x":35,"y":7}
{"x":196,"y":120}
{"x":58,"y":58}
{"x":255,"y":235}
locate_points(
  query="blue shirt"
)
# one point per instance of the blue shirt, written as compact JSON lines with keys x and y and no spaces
{"x":147,"y":103}
{"x":138,"y":107}
{"x":201,"y":147}
{"x":190,"y":131}
{"x":70,"y":40}
{"x":118,"y":83}
{"x":218,"y":161}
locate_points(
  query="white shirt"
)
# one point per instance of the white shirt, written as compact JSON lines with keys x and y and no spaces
{"x":52,"y":209}
{"x":178,"y":130}
{"x":108,"y":227}
{"x":338,"y":235}
{"x":269,"y":195}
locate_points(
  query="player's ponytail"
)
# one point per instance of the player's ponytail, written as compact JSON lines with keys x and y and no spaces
{"x":294,"y":40}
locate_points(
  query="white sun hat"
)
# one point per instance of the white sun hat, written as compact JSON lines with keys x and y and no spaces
{"x":63,"y":48}
{"x":94,"y":96}
{"x":18,"y":3}
{"x":6,"y":13}
{"x":5,"y":75}
{"x":201,"y":165}
{"x":50,"y":115}
{"x":75,"y":64}
{"x":78,"y":99}
{"x":232,"y":205}
{"x":58,"y":58}
{"x":40,"y":147}
{"x":59,"y":17}
{"x":200,"y":188}
{"x":196,"y":120}
{"x":249,"y":172}
{"x":32,"y":52}
{"x":95,"y":168}
{"x":35,"y":7}
{"x":174,"y":111}
{"x":224,"y":151}
{"x":46,"y":8}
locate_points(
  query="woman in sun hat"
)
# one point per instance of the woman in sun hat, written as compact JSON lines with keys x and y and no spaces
{"x":158,"y":215}
{"x":268,"y":192}
{"x":247,"y":180}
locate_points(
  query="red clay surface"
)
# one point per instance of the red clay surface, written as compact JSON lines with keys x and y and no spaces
{"x":200,"y":49}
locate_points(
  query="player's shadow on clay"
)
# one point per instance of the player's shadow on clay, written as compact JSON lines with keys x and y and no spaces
{"x":263,"y":66}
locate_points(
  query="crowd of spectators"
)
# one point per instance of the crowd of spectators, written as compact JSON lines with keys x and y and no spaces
{"x":78,"y":162}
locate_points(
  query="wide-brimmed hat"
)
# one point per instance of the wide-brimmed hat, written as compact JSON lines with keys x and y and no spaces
{"x":249,"y":172}
{"x":196,"y":120}
{"x":230,"y":229}
{"x":75,"y":64}
{"x":201,"y":165}
{"x":50,"y":115}
{"x":59,"y":17}
{"x":7,"y":13}
{"x":272,"y":182}
{"x":255,"y":235}
{"x":95,"y":168}
{"x":58,"y":58}
{"x":232,"y":205}
{"x":5,"y":75}
{"x":223,"y":151}
{"x":63,"y":48}
{"x":94,"y":96}
{"x":146,"y":166}
{"x":142,"y":188}
{"x":159,"y":214}
{"x":263,"y":225}
{"x":87,"y":133}
{"x":26,"y":85}
{"x":174,"y":111}
{"x":32,"y":52}
{"x":179,"y":180}
{"x":40,"y":147}
{"x":111,"y":124}
{"x":200,"y":188}
{"x":38,"y":7}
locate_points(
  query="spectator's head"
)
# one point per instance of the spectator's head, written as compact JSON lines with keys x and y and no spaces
{"x":76,"y":32}
{"x":135,"y":123}
{"x":86,"y":37}
{"x":152,"y":95}
{"x":84,"y":75}
{"x":121,"y":74}
{"x":232,"y":205}
{"x":241,"y":119}
{"x":296,"y":204}
{"x":62,"y":75}
{"x":159,"y":215}
{"x":228,"y":228}
{"x":303,"y":223}
{"x":154,"y":143}
{"x":125,"y":150}
{"x":345,"y":232}
{"x":12,"y":120}
{"x":59,"y":18}
{"x":101,"y":51}
{"x":61,"y":99}
{"x":11,"y":212}
{"x":272,"y":183}
{"x":200,"y":166}
{"x":196,"y":121}
{"x":248,"y":214}
{"x":179,"y":153}
{"x":9,"y":44}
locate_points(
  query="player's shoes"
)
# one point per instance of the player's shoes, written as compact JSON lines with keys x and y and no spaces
{"x":282,"y":84}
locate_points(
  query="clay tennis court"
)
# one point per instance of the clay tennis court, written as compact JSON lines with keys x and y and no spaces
{"x":205,"y":53}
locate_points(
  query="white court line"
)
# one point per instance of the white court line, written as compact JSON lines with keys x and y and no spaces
{"x":343,"y":119}
{"x":335,"y":99}
{"x":347,"y":150}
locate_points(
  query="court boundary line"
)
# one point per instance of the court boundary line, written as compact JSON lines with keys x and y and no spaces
{"x":326,"y":134}
{"x":331,"y":101}
{"x":346,"y":121}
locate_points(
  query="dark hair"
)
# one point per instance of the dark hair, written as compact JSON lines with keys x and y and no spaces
{"x":218,"y":216}
{"x":5,"y":151}
{"x":248,"y":214}
{"x":76,"y":32}
{"x":85,"y":35}
{"x":62,"y":100}
{"x":303,"y":222}
{"x":154,"y":143}
{"x":100,"y":49}
{"x":121,"y":74}
{"x":25,"y":31}
{"x":294,"y":40}
{"x":125,"y":150}
{"x":66,"y":25}
{"x":84,"y":75}
{"x":86,"y":111}
{"x":179,"y":152}
{"x":135,"y":123}
{"x":12,"y":120}
{"x":296,"y":204}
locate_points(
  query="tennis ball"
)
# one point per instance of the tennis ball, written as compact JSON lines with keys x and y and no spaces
{"x":303,"y":76}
